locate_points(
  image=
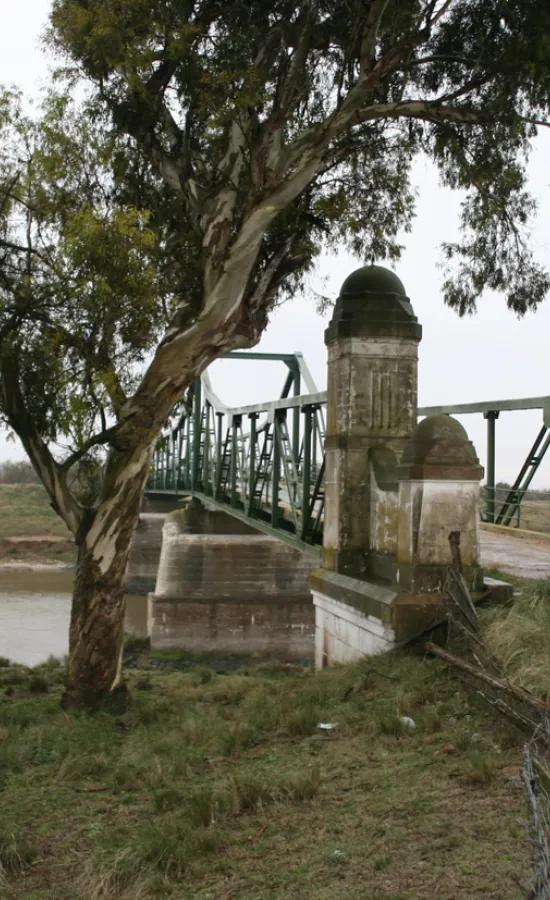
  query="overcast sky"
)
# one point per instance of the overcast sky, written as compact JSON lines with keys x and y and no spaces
{"x":490,"y":356}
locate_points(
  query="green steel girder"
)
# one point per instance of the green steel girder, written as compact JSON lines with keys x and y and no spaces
{"x":527,"y":472}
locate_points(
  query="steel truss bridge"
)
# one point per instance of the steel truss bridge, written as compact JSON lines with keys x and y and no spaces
{"x":265,"y":463}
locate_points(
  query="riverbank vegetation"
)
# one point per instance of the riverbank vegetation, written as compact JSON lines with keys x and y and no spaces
{"x":519,"y":636}
{"x":223,"y":785}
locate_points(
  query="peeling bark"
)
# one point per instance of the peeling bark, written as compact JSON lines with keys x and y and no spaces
{"x":94,"y":673}
{"x":95,"y":679}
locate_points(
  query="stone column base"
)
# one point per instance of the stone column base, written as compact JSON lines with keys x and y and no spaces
{"x":343,"y":634}
{"x":355,"y":618}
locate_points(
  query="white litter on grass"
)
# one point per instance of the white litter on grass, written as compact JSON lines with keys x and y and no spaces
{"x":408,"y":722}
{"x":327,"y":726}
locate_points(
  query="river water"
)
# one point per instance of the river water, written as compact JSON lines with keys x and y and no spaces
{"x":35,"y":608}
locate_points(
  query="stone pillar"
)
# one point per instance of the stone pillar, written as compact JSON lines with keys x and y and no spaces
{"x":439,"y":493}
{"x":144,"y":556}
{"x":372,"y":345}
{"x":394,"y":490}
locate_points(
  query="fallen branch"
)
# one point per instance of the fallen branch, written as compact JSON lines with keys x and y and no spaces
{"x":497,"y":683}
{"x":456,"y":586}
{"x":520,"y":720}
{"x":260,"y":833}
{"x":475,"y":637}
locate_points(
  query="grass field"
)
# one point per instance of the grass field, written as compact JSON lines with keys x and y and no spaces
{"x":25,"y":510}
{"x":222,"y":787}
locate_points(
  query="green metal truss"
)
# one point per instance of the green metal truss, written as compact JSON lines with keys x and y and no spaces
{"x":265,"y":464}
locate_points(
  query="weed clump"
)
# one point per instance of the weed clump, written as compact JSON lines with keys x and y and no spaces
{"x":202,"y":675}
{"x":481,"y":766}
{"x":37,"y":685}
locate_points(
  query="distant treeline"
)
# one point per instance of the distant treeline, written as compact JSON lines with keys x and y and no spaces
{"x":84,"y":477}
{"x":502,"y":487}
{"x":18,"y":473}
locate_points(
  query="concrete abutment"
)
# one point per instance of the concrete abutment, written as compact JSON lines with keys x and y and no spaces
{"x":222,"y":587}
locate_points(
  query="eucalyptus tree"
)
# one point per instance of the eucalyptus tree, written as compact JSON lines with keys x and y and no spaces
{"x":253,"y":134}
{"x":84,"y":300}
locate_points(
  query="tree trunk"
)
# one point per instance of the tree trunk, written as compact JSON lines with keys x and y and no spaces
{"x":94,"y":675}
{"x":94,"y":678}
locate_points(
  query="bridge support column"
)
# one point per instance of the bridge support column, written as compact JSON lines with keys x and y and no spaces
{"x":372,"y":345}
{"x":439,"y":499}
{"x":395,"y":491}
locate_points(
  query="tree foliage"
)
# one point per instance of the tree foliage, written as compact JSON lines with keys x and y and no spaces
{"x":221,"y":147}
{"x":326,"y":103}
{"x":82,"y":294}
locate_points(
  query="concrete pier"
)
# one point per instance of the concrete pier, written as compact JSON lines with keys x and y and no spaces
{"x":223,"y":587}
{"x":144,"y":557}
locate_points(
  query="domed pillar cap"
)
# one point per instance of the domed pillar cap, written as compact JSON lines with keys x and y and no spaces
{"x":439,"y":450}
{"x":373,"y":303}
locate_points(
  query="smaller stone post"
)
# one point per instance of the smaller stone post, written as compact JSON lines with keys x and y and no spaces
{"x":439,"y":493}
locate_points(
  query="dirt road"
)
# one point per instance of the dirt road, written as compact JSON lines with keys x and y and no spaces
{"x":525,"y":558}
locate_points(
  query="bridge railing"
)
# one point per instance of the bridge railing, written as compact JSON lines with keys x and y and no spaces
{"x":265,"y":461}
{"x":527,"y":509}
{"x":516,"y":504}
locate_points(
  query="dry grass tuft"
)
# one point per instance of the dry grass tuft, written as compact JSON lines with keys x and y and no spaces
{"x":519,"y":636}
{"x":480,"y":766}
{"x":114,"y":883}
{"x":16,"y":850}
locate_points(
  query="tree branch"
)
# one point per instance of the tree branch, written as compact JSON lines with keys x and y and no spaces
{"x":218,"y":217}
{"x":50,"y":472}
{"x":370,"y":36}
{"x":103,"y":437}
{"x":267,"y":276}
{"x":431,"y":21}
{"x":290,"y":92}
